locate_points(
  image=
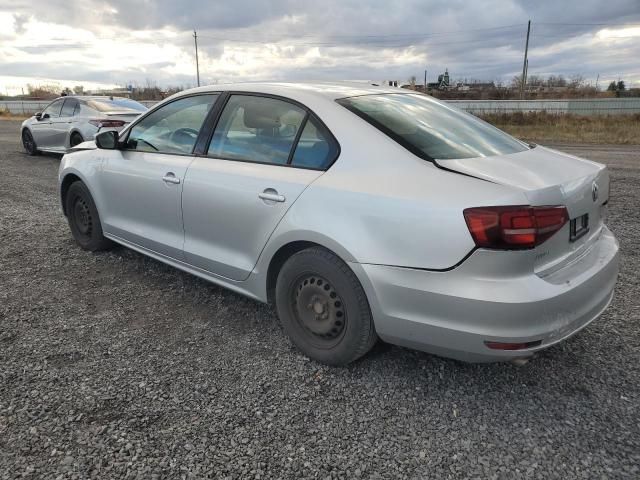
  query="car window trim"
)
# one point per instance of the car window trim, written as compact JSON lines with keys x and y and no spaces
{"x":294,"y":146}
{"x":309,"y":114}
{"x":131,"y":126}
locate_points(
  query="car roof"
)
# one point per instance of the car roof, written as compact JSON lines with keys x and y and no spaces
{"x":93,"y":97}
{"x":327,"y":90}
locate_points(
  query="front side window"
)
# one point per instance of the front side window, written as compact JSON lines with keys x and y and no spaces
{"x":256,"y":129}
{"x":69,"y":107}
{"x":172,"y":128}
{"x":431,"y":129}
{"x":53,"y":110}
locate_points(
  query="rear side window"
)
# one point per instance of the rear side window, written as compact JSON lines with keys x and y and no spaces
{"x":69,"y":107}
{"x":257,"y":129}
{"x":315,"y":148}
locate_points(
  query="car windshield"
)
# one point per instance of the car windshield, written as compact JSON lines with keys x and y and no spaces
{"x":430,"y":129}
{"x":111,"y":104}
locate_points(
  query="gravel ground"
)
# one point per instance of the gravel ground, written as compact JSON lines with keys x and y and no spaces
{"x":113,"y":365}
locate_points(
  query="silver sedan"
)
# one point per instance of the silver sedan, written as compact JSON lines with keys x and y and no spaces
{"x":69,"y":121}
{"x":360,"y":213}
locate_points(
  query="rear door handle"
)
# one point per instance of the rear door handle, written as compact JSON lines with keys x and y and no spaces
{"x":170,"y":177}
{"x":271,"y":195}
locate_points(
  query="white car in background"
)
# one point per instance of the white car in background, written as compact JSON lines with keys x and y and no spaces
{"x":69,"y":121}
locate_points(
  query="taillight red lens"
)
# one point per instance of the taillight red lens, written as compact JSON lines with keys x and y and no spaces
{"x":511,"y":228}
{"x":107,"y":123}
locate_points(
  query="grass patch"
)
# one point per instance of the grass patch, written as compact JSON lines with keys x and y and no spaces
{"x":541,"y":127}
{"x":7,"y":115}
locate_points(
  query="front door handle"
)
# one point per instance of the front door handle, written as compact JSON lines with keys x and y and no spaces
{"x":170,"y":177}
{"x":271,"y":195}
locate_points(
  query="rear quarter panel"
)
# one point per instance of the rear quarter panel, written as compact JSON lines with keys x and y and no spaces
{"x":380,"y":204}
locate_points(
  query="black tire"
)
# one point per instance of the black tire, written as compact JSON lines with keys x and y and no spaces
{"x":323,"y":308}
{"x":83,"y":218}
{"x":29,"y":143}
{"x":75,"y":139}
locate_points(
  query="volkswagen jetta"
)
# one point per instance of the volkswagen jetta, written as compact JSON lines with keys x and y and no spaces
{"x":360,"y":212}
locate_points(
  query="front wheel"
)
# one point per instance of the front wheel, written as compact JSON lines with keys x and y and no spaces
{"x":323,"y":308}
{"x":29,"y":143}
{"x":83,"y":218}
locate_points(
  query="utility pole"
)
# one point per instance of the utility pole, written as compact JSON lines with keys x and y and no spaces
{"x":425,"y":81}
{"x":597,"y":78}
{"x":195,"y":39}
{"x":525,"y":64}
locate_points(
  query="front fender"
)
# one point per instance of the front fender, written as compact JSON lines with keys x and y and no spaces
{"x":82,"y":166}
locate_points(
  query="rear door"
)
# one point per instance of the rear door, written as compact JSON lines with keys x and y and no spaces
{"x":253,"y":172}
{"x":62,"y":125}
{"x":142,"y":183}
{"x":43,"y":132}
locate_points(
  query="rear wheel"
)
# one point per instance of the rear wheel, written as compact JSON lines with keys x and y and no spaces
{"x":29,"y":143}
{"x":75,"y":139}
{"x":83,"y":218}
{"x":323,"y":308}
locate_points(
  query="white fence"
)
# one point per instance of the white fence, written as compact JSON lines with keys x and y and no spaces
{"x":600,"y":106}
{"x":604,"y":106}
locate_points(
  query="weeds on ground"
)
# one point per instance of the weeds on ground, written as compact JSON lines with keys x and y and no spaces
{"x":541,"y":127}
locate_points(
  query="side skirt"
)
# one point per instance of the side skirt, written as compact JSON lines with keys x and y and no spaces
{"x":235,"y":286}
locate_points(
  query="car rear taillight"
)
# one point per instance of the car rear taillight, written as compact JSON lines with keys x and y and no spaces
{"x":107,"y":123}
{"x":513,"y":228}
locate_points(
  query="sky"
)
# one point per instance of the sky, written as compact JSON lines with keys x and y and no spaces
{"x":104,"y":43}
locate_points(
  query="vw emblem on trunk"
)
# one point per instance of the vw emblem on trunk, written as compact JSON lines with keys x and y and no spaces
{"x":594,"y":191}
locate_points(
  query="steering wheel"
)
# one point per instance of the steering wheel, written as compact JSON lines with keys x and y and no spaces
{"x":184,"y":136}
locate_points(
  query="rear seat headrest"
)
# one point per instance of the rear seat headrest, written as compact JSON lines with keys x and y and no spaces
{"x":260,"y":115}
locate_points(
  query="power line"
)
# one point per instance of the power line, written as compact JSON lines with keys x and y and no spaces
{"x":372,"y":38}
{"x":590,"y":24}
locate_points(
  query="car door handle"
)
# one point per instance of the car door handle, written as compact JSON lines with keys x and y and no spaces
{"x":170,"y":177}
{"x":271,"y":195}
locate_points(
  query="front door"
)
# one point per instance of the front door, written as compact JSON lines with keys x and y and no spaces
{"x":142,"y":183}
{"x":42,"y":130}
{"x":234,"y":198}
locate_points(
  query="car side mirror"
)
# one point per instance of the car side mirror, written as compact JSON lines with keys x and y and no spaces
{"x":38,"y":116}
{"x":107,"y":140}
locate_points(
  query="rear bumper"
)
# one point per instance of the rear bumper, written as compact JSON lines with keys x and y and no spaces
{"x":454,"y":313}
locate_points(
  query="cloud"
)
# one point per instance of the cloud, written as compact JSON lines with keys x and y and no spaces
{"x":120,"y":41}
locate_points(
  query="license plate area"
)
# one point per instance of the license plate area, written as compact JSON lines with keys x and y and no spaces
{"x":578,"y":227}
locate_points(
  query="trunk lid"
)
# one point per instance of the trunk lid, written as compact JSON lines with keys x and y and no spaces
{"x":549,"y":177}
{"x":126,"y":116}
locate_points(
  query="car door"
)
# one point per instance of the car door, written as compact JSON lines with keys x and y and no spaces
{"x":62,"y":125}
{"x":235,"y":196}
{"x":42,"y":130}
{"x":141,"y":183}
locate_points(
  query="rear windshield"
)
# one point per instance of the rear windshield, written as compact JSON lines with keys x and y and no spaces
{"x":119,"y":104}
{"x":430,"y":129}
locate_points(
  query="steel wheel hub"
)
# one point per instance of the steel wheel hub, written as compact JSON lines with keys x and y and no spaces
{"x":82,"y":216}
{"x":319,"y":309}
